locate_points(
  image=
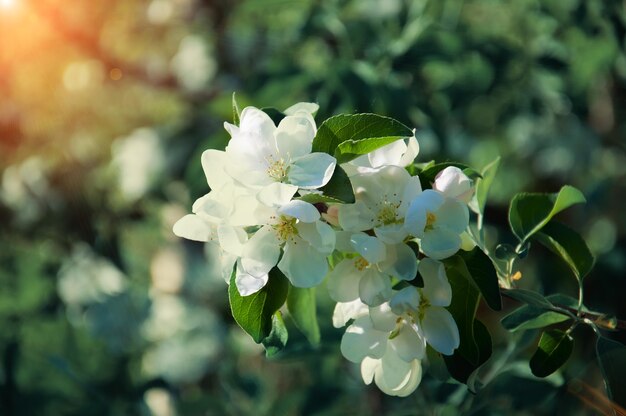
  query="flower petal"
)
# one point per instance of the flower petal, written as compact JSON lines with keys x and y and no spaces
{"x":344,"y":311}
{"x":411,"y":153}
{"x":453,"y":215}
{"x":453,"y":183}
{"x":436,"y":286}
{"x":343,"y":282}
{"x":408,"y":344}
{"x":310,"y":108}
{"x":312,"y":171}
{"x":392,"y":233}
{"x":232,"y":239}
{"x":356,"y":217}
{"x":303,"y":265}
{"x":192,"y":227}
{"x":301,"y":210}
{"x":374,"y":287}
{"x":248,"y":284}
{"x":276,"y":194}
{"x":401,"y":262}
{"x":425,"y":202}
{"x":371,"y":248}
{"x":213,"y":163}
{"x":440,"y":243}
{"x":261,"y":252}
{"x":405,"y":300}
{"x":294,"y":136}
{"x":440,"y":330}
{"x":318,"y":234}
{"x":383,"y":319}
{"x":362,"y":340}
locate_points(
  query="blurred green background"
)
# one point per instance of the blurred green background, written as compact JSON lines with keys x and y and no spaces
{"x":106,"y":107}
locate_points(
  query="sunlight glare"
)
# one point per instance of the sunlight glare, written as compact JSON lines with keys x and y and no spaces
{"x":6,"y":4}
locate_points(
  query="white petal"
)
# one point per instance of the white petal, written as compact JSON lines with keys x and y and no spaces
{"x":411,"y":191}
{"x":312,"y":171}
{"x":301,"y":210}
{"x":248,"y":284}
{"x":344,"y":311}
{"x":232,"y":239}
{"x":276,"y":194}
{"x":408,"y":344}
{"x":303,"y":265}
{"x":356,"y":217}
{"x":343,"y":282}
{"x":256,"y":121}
{"x":318,"y":234}
{"x":389,"y":154}
{"x":427,"y":201}
{"x":453,"y":183}
{"x":371,"y":248}
{"x":294,"y":136}
{"x":383,"y":319}
{"x":413,"y":382}
{"x":393,"y":373}
{"x":213,"y":162}
{"x":261,"y":252}
{"x":440,"y":330}
{"x":310,"y":108}
{"x":411,"y":153}
{"x":440,"y":243}
{"x":436,"y":286}
{"x":401,"y":262}
{"x":374,"y":287}
{"x":362,"y":340}
{"x":392,"y":233}
{"x":405,"y":300}
{"x":453,"y":214}
{"x":384,"y":184}
{"x":368,"y":369}
{"x":193,"y":227}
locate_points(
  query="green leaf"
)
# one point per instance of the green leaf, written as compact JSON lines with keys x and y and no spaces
{"x":275,"y":114}
{"x":431,"y":170}
{"x":301,"y":305}
{"x":339,"y":188}
{"x":531,"y":317}
{"x":529,"y":213}
{"x":483,"y":184}
{"x":254,"y":313}
{"x":277,"y":339}
{"x":236,"y":112}
{"x":481,"y":271}
{"x":555,"y":348}
{"x":529,"y":297}
{"x":612,"y":358}
{"x":463,"y":308}
{"x":569,"y":245}
{"x":358,"y":133}
{"x":459,"y":367}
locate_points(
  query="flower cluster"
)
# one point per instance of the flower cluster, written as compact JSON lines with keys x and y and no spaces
{"x":393,"y":233}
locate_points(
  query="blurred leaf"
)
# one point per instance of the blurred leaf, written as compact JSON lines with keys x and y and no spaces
{"x":569,"y":245}
{"x":348,"y":136}
{"x":483,"y":184}
{"x":480,"y":270}
{"x":277,"y":339}
{"x":463,"y":308}
{"x":301,"y":305}
{"x":612,"y":358}
{"x":459,"y":366}
{"x":554,"y":349}
{"x":236,"y":112}
{"x":275,"y":114}
{"x":254,"y":313}
{"x":531,"y":317}
{"x":530,"y":212}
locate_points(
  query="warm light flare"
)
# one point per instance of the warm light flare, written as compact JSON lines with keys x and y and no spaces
{"x":7,"y":4}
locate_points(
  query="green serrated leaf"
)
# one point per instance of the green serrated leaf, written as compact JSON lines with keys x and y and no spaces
{"x":301,"y":305}
{"x":276,"y":341}
{"x":363,"y":133}
{"x":530,"y":297}
{"x":529,"y":213}
{"x":254,"y":313}
{"x":554,"y":349}
{"x":236,"y":112}
{"x":484,"y":184}
{"x":429,"y":173}
{"x":459,"y":367}
{"x":612,"y":359}
{"x":339,"y":188}
{"x":569,"y":245}
{"x":531,"y":317}
{"x":482,"y":272}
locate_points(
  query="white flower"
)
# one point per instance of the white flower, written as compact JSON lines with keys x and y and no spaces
{"x":453,"y":183}
{"x":392,"y":375}
{"x":260,"y":153}
{"x":293,"y":226}
{"x":425,"y":307}
{"x":399,"y":153}
{"x":438,"y":222}
{"x":382,"y":200}
{"x":367,"y":275}
{"x":345,"y":311}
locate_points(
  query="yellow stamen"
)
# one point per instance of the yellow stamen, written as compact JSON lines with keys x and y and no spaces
{"x":430,"y":220}
{"x":361,"y":263}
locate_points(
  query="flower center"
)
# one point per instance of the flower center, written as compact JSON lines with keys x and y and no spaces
{"x":277,"y":169}
{"x":361,"y":263}
{"x":388,"y":214}
{"x":430,"y":221}
{"x":285,"y":228}
{"x":423,"y":305}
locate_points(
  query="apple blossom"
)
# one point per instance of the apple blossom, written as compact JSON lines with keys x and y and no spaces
{"x":453,"y":183}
